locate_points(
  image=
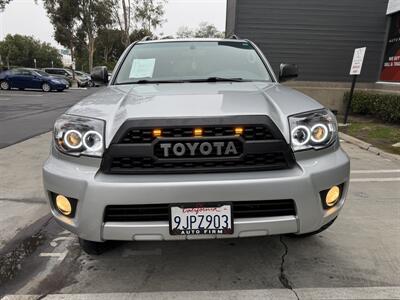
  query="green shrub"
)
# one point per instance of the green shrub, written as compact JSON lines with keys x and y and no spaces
{"x":385,"y":107}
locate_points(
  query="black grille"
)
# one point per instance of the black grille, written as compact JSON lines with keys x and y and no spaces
{"x":160,"y":212}
{"x":134,"y":150}
{"x":145,"y":135}
{"x":272,"y":160}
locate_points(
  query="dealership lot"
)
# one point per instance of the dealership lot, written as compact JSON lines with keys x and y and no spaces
{"x":24,"y":114}
{"x":359,"y":256}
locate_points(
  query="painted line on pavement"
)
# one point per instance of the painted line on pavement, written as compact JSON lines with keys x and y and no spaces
{"x":375,"y":179}
{"x":54,"y":243}
{"x":4,"y":99}
{"x":350,"y":293}
{"x":375,"y":171}
{"x":59,"y":256}
{"x":19,"y":94}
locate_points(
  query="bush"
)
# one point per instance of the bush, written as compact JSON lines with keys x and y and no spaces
{"x":385,"y":107}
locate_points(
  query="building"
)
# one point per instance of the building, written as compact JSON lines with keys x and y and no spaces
{"x":320,"y":35}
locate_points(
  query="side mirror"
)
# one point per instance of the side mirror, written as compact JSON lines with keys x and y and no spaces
{"x":287,"y":72}
{"x":100,"y":75}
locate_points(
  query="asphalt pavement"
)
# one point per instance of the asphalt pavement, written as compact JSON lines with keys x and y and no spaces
{"x":24,"y":114}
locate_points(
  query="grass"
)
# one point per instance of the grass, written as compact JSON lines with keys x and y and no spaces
{"x":374,"y":132}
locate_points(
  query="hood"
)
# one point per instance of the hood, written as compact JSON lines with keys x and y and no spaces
{"x":116,"y":104}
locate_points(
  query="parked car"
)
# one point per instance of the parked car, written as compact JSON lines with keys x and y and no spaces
{"x":82,"y":74}
{"x":67,"y":74}
{"x":102,"y":70}
{"x":26,"y":78}
{"x":213,"y":147}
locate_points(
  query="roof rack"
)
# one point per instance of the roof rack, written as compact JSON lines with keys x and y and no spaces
{"x":234,"y":37}
{"x":146,"y":38}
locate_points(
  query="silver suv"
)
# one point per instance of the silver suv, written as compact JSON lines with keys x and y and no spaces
{"x":195,"y":139}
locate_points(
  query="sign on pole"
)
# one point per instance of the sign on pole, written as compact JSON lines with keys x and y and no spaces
{"x":358,"y":60}
{"x":355,"y":70}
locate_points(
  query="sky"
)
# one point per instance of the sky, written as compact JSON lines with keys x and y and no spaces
{"x":27,"y":18}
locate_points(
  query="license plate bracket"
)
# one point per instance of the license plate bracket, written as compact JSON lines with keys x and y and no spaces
{"x":201,"y":218}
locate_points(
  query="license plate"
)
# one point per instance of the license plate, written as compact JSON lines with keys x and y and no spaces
{"x":201,"y":219}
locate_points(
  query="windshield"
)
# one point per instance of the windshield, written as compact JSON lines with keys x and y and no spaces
{"x":186,"y":61}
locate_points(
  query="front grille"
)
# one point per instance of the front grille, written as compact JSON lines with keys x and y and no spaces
{"x":160,"y":212}
{"x":145,"y":135}
{"x":125,"y":164}
{"x":134,"y":150}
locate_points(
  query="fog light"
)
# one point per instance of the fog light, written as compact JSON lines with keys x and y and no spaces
{"x":332,"y":197}
{"x":63,"y":205}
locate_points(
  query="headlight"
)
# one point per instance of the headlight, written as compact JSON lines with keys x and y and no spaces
{"x":313,"y":130}
{"x":77,"y":136}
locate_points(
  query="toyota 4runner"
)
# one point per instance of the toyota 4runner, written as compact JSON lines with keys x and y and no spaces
{"x":195,"y":139}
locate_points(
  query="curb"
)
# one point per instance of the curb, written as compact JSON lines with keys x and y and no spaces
{"x":77,"y":88}
{"x":366,"y":146}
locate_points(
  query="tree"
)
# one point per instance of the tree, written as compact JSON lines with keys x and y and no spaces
{"x":109,"y":46}
{"x":149,"y":13}
{"x":206,"y":30}
{"x":3,"y":3}
{"x":184,"y":32}
{"x":124,"y":18}
{"x":20,"y":50}
{"x":78,"y":22}
{"x":139,"y":34}
{"x":64,"y":17}
{"x":93,"y":16}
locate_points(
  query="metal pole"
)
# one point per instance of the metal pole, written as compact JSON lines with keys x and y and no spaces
{"x":353,"y":85}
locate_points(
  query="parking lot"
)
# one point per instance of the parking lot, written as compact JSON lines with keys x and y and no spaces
{"x":24,"y":114}
{"x":357,"y":258}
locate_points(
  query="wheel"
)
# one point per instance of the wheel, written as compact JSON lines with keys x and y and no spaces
{"x":92,"y":248}
{"x":91,"y":84}
{"x":309,"y":234}
{"x":4,"y":85}
{"x":46,"y":87}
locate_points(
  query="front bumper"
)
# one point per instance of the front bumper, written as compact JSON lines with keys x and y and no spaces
{"x":58,"y":86}
{"x":80,"y":179}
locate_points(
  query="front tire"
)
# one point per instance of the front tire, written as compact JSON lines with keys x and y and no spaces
{"x":46,"y":87}
{"x":92,"y":248}
{"x":4,"y":85}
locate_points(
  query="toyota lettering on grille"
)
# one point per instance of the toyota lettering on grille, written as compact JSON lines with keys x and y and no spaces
{"x":182,"y":149}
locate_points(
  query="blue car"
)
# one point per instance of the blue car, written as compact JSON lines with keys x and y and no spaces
{"x":24,"y":78}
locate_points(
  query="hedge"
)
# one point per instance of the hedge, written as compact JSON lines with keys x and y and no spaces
{"x":385,"y":107}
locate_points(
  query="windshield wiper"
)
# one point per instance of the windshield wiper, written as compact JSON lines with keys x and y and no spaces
{"x":146,"y":81}
{"x":209,"y":79}
{"x":217,"y":79}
